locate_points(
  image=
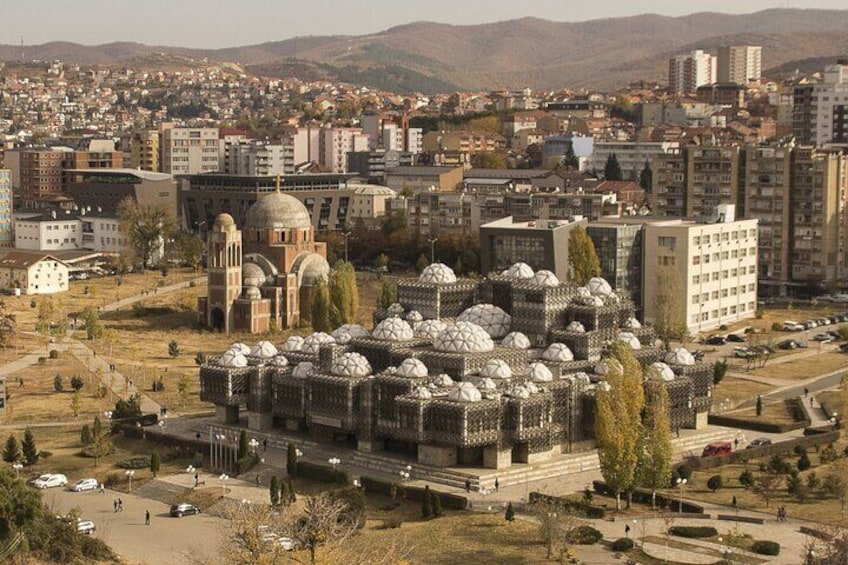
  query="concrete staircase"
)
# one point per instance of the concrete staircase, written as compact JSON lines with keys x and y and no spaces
{"x":162,"y":491}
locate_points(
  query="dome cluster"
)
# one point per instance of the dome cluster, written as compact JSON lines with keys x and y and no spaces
{"x":494,"y":320}
{"x":351,"y":365}
{"x":463,"y":337}
{"x":344,"y":333}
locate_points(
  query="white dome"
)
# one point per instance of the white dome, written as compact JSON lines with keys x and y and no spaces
{"x":579,"y":377}
{"x":351,"y":364}
{"x":280,"y":361}
{"x":252,"y":293}
{"x":545,"y":278}
{"x":575,"y":326}
{"x":496,"y":369}
{"x":241,"y":348}
{"x":485,"y":384}
{"x":604,"y":386}
{"x":520,"y":271}
{"x":464,"y":337}
{"x":630,"y":339}
{"x":558,"y":352}
{"x":393,"y":329}
{"x":679,"y":356}
{"x":395,"y":309}
{"x":264,"y":350}
{"x":412,"y":369}
{"x":437,"y":273}
{"x":632,"y":324}
{"x":491,"y":318}
{"x":583,"y":292}
{"x":429,"y":329}
{"x":414,"y":317}
{"x":595,"y":301}
{"x":252,"y":274}
{"x":599,"y":287}
{"x":302,"y":370}
{"x":346,"y":332}
{"x":531,"y":386}
{"x":604,"y":366}
{"x":519,"y":391}
{"x":277,"y":211}
{"x":313,"y":342}
{"x":465,"y":392}
{"x":516,"y":340}
{"x":293,"y":343}
{"x":539,"y":373}
{"x":441,"y":380}
{"x":421,"y":393}
{"x":663,"y":370}
{"x":232,"y":358}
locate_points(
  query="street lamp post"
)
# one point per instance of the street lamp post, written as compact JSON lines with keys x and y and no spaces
{"x":224,"y":477}
{"x":346,"y":236}
{"x":17,"y":467}
{"x":681,"y":483}
{"x":253,"y":443}
{"x":334,"y":461}
{"x":129,"y":475}
{"x":433,"y":249}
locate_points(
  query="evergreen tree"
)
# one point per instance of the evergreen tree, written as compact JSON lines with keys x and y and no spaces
{"x":275,"y":491}
{"x":437,"y":505}
{"x":618,"y":420}
{"x":243,"y":445}
{"x":344,"y":295}
{"x":11,"y":452}
{"x":173,"y":349}
{"x":655,"y":455}
{"x":582,"y":256}
{"x":646,"y":177}
{"x":29,"y":449}
{"x":283,"y":494}
{"x":426,"y":504}
{"x":759,"y":405}
{"x":97,"y":427}
{"x":292,"y":496}
{"x":77,"y":383}
{"x":76,"y":403}
{"x":85,"y":436}
{"x":612,"y":170}
{"x":388,"y":295}
{"x":510,"y":513}
{"x":155,"y":463}
{"x":421,"y":264}
{"x":321,"y":306}
{"x":570,"y":161}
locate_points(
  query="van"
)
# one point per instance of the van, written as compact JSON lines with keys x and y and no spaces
{"x":717,"y":448}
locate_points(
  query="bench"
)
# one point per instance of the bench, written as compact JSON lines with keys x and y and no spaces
{"x":746,"y":519}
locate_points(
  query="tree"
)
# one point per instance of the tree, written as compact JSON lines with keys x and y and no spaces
{"x":714,"y":483}
{"x":275,"y":491}
{"x":422,"y":263}
{"x":7,"y":325}
{"x":487,"y":160}
{"x":127,"y":409}
{"x":93,"y":325}
{"x":44,"y":316}
{"x":189,"y":248}
{"x":554,"y":523}
{"x":655,"y":455}
{"x":582,"y":256}
{"x":426,"y":504}
{"x":291,"y":495}
{"x":145,"y":227}
{"x":76,"y":403}
{"x":618,"y":419}
{"x":510,"y":513}
{"x":344,"y":295}
{"x":243,"y":445}
{"x":321,"y":306}
{"x":437,"y":505}
{"x":29,"y":449}
{"x":719,"y":370}
{"x":612,"y":170}
{"x":11,"y":452}
{"x":77,"y":383}
{"x":155,"y":463}
{"x":766,"y":485}
{"x":570,"y":161}
{"x":57,"y":383}
{"x":85,"y":436}
{"x":19,"y":506}
{"x":646,"y":177}
{"x":173,"y":349}
{"x":835,"y":483}
{"x":291,"y":460}
{"x":804,"y":462}
{"x":388,"y":295}
{"x":200,"y":358}
{"x":759,"y":405}
{"x":669,"y":313}
{"x":381,"y":262}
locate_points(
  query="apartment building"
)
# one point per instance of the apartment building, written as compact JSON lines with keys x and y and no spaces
{"x":373,"y":165}
{"x":716,"y":264}
{"x":66,"y":230}
{"x":631,"y":155}
{"x":144,"y":150}
{"x":189,"y":151}
{"x":336,"y":143}
{"x":820,"y":111}
{"x":687,"y":72}
{"x":414,"y":179}
{"x":6,"y":201}
{"x":36,"y":173}
{"x":252,"y":157}
{"x":739,"y":63}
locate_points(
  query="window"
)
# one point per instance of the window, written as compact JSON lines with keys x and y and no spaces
{"x":696,"y":279}
{"x":666,"y":241}
{"x":696,"y":260}
{"x":695,"y":298}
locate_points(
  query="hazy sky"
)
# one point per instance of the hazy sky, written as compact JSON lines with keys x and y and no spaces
{"x":225,"y":23}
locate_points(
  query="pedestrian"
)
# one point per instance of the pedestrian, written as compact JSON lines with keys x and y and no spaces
{"x":734,"y":502}
{"x":21,"y":382}
{"x":811,"y":401}
{"x":120,"y":505}
{"x":806,"y":392}
{"x":102,"y":488}
{"x":257,"y":479}
{"x":677,"y":431}
{"x":497,"y":485}
{"x":627,"y":530}
{"x":467,"y":485}
{"x":197,"y":436}
{"x":736,"y":443}
{"x":115,"y":504}
{"x":265,"y":444}
{"x":196,"y":479}
{"x":147,"y":517}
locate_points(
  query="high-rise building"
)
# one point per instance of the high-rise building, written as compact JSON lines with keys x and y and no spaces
{"x":820,"y":113}
{"x":36,"y":173}
{"x":687,"y":72}
{"x":739,"y":63}
{"x":188,"y":151}
{"x":251,"y":157}
{"x":336,"y":143}
{"x":144,"y":150}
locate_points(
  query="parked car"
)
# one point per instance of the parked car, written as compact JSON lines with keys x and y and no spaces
{"x":716,"y":340}
{"x":48,"y":481}
{"x":792,"y":326}
{"x":758,"y":442}
{"x":791,"y":344}
{"x":183,"y":509}
{"x":823,"y":337}
{"x":736,"y":338}
{"x":85,"y":526}
{"x":717,"y":448}
{"x":743,"y":352}
{"x":809,"y":324}
{"x":840,"y":297}
{"x":85,"y":484}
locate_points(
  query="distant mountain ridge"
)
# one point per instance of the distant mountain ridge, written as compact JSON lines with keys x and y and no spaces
{"x":598,"y":54}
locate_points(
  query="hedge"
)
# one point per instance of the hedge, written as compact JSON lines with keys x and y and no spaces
{"x":322,"y":473}
{"x":765,"y":547}
{"x":572,"y":506}
{"x":381,"y":486}
{"x":693,"y":531}
{"x":584,"y":535}
{"x":746,"y":424}
{"x":644,"y":496}
{"x":622,"y":544}
{"x":134,"y":463}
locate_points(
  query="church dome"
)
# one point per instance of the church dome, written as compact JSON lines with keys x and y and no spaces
{"x":253,"y":293}
{"x":277,"y":211}
{"x":252,"y":275}
{"x":224,"y":222}
{"x":311,"y":268}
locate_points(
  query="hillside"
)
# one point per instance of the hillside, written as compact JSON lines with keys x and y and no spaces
{"x":604,"y":53}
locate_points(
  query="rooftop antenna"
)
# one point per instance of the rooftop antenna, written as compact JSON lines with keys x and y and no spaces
{"x":22,"y":47}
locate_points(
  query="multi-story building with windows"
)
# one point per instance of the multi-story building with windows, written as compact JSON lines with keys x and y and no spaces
{"x":687,"y":72}
{"x":189,"y":151}
{"x":144,"y":150}
{"x":6,"y":232}
{"x":618,"y":244}
{"x":631,"y":155}
{"x":820,"y":112}
{"x":739,"y":63}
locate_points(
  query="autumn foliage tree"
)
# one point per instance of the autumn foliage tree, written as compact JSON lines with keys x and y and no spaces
{"x":344,"y":295}
{"x":669,"y":317}
{"x":582,"y":256}
{"x":145,"y":227}
{"x":320,"y":311}
{"x":654,"y":470}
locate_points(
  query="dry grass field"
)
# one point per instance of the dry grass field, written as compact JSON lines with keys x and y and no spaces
{"x":734,"y":391}
{"x":806,"y":366}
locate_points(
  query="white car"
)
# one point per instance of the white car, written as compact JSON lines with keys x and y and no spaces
{"x":85,"y":484}
{"x":47,"y":481}
{"x":85,"y":526}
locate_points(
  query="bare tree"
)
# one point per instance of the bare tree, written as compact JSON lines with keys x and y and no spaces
{"x":555,"y":521}
{"x":767,"y":484}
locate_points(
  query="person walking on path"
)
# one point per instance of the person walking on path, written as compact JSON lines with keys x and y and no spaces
{"x":257,"y":479}
{"x":102,"y":488}
{"x":467,"y":485}
{"x":265,"y":444}
{"x":806,"y":392}
{"x":734,"y":503}
{"x":115,"y":504}
{"x":497,"y":485}
{"x":147,"y":517}
{"x":120,"y":505}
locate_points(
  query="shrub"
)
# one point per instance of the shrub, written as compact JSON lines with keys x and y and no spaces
{"x":77,"y":382}
{"x":427,"y":504}
{"x":134,"y":463}
{"x":353,"y":499}
{"x":693,"y":531}
{"x":246,"y":463}
{"x":799,"y":450}
{"x":57,"y":383}
{"x":42,"y":360}
{"x":779,"y":465}
{"x":622,"y":544}
{"x":804,"y":462}
{"x":714,"y":483}
{"x":719,"y":370}
{"x":684,"y":471}
{"x":392,"y":523}
{"x":437,"y":505}
{"x":322,"y":473}
{"x":828,"y":454}
{"x":776,"y":327}
{"x":584,"y":535}
{"x":200,"y":358}
{"x":173,"y":348}
{"x":746,"y":478}
{"x":765,"y":547}
{"x":723,"y":327}
{"x":54,"y":354}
